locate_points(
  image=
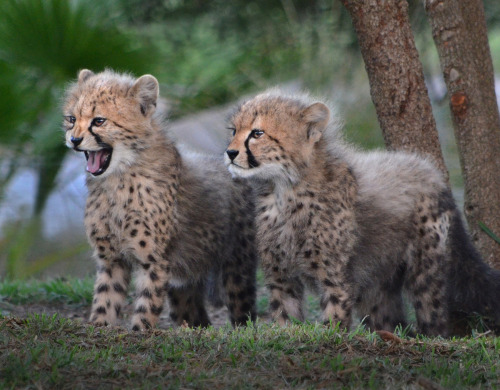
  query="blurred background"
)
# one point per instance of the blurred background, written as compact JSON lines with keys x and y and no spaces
{"x":206,"y":55}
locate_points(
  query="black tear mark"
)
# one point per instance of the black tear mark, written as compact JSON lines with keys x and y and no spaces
{"x":252,"y":162}
{"x":98,"y":139}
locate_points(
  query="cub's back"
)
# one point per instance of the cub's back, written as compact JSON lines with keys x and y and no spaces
{"x":395,"y":181}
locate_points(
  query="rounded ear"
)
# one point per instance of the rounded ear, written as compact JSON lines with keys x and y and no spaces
{"x":146,"y":90}
{"x":316,"y":116}
{"x":84,"y":75}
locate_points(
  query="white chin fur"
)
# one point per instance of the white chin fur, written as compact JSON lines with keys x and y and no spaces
{"x":121,"y":159}
{"x":271,"y":171}
{"x":240,"y":172}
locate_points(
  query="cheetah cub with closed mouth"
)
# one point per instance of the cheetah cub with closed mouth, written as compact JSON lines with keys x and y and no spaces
{"x":178,"y":220}
{"x":359,"y":227}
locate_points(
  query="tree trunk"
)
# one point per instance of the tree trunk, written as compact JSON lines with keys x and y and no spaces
{"x":396,"y":76}
{"x":459,"y":31}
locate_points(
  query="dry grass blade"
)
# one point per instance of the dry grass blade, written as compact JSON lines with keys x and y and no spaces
{"x":388,"y":336}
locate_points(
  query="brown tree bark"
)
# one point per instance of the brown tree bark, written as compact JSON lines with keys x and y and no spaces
{"x":459,"y":31}
{"x":396,"y":76}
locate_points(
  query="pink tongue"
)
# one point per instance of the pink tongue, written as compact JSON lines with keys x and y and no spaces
{"x":95,"y":160}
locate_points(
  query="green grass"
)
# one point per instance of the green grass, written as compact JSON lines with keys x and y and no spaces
{"x":54,"y":352}
{"x":70,"y":291}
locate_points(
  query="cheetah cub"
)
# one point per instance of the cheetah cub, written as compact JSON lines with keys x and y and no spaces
{"x":359,"y":227}
{"x":177,"y":221}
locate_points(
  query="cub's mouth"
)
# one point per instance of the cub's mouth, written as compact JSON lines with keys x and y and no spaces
{"x":98,"y":160}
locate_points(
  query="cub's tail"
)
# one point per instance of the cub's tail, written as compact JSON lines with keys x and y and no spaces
{"x":474,"y":285}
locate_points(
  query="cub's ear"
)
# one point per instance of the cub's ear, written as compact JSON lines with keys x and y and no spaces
{"x":84,"y":75}
{"x":316,"y":116}
{"x":146,"y":90}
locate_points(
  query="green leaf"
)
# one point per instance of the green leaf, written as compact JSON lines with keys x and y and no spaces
{"x":489,"y":232}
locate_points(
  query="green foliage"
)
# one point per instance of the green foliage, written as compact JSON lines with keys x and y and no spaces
{"x":219,"y":51}
{"x":55,"y":38}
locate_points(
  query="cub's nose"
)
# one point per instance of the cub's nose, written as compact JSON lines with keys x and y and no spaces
{"x":231,"y":153}
{"x":76,"y":141}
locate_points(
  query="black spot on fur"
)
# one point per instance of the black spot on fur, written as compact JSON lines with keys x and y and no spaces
{"x":328,"y":283}
{"x":274,"y":304}
{"x":151,"y":258}
{"x":140,"y":309}
{"x":101,"y":310}
{"x":156,"y":310}
{"x":118,"y":288}
{"x":146,"y":323}
{"x":102,"y":288}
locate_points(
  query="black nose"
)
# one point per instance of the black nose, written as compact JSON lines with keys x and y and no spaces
{"x":76,"y":141}
{"x":232,"y":153}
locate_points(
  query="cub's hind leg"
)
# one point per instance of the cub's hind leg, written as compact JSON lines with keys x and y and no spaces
{"x":286,"y":301}
{"x":428,"y":266}
{"x":239,"y":279}
{"x":382,"y":310}
{"x":239,"y":270}
{"x":381,"y":306}
{"x":187,"y":305}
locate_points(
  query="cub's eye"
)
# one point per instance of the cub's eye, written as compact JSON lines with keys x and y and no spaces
{"x":233,"y":130}
{"x":70,"y":119}
{"x":256,"y":133}
{"x":98,"y":121}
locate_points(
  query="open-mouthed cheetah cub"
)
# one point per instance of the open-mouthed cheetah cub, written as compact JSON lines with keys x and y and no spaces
{"x":179,"y":221}
{"x":359,"y":227}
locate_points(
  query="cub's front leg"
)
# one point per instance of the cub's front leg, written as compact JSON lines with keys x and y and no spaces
{"x":110,"y":289}
{"x":287,"y":292}
{"x":329,"y":268}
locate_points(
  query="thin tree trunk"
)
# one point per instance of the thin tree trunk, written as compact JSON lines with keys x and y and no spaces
{"x":396,"y":76}
{"x":459,"y":31}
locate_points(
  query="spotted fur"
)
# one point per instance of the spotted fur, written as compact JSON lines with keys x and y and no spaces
{"x":177,"y":220}
{"x":358,"y":227}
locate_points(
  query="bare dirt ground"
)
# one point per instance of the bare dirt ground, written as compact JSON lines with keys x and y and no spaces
{"x":218,"y":316}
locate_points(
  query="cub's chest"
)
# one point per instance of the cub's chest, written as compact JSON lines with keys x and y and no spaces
{"x":116,"y":203}
{"x":283,"y":212}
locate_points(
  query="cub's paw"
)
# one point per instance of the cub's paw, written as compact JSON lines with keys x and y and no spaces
{"x":141,"y":324}
{"x":99,"y":322}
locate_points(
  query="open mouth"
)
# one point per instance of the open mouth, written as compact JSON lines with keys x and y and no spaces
{"x":98,"y":160}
